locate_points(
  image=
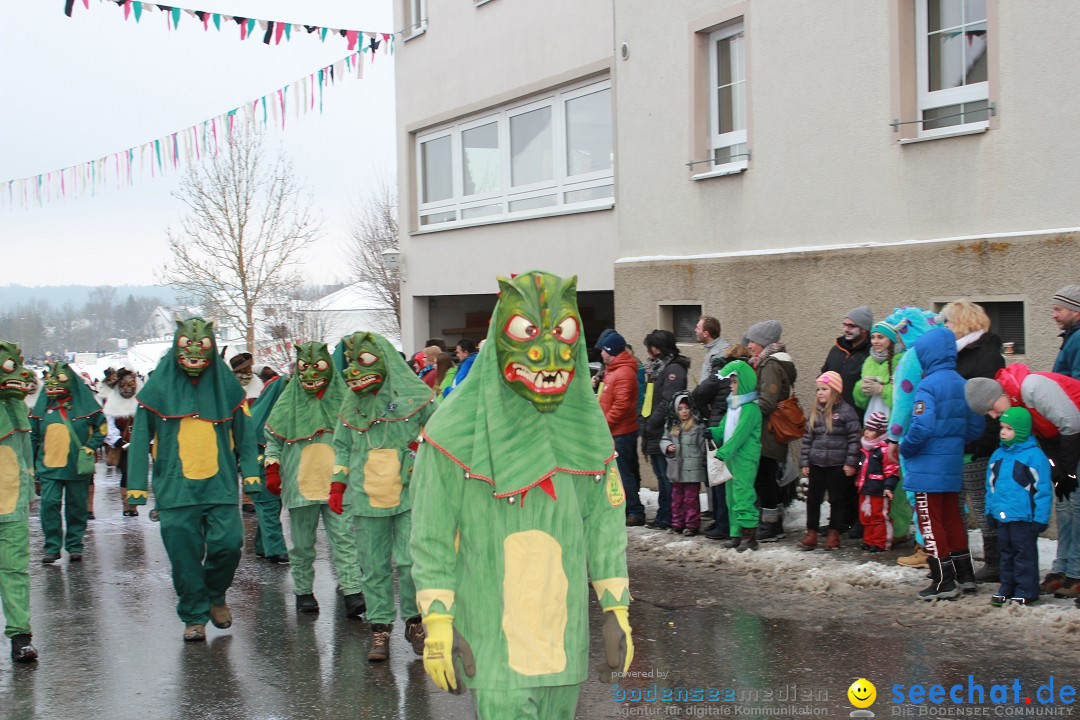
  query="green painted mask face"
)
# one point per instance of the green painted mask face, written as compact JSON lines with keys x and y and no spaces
{"x":16,"y":380}
{"x":313,"y":367}
{"x":194,"y":345}
{"x":539,"y":329}
{"x":366,"y":370}
{"x":59,"y":383}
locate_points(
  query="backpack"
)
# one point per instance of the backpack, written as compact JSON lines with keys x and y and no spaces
{"x":788,"y":421}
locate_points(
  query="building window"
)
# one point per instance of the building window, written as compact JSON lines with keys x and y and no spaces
{"x":415,"y":17}
{"x":541,"y":157}
{"x":727,"y":98}
{"x":681,"y":321}
{"x":1006,"y":321}
{"x":952,"y":66}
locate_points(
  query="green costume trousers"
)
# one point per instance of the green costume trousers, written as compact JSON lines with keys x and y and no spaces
{"x":558,"y":702}
{"x":269,"y":539}
{"x":900,"y":512}
{"x":203,"y":543}
{"x":15,"y":576}
{"x":381,"y":538}
{"x":303,"y":522}
{"x":72,"y":495}
{"x":741,"y":497}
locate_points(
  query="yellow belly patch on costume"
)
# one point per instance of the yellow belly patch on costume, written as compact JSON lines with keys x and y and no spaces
{"x":534,"y":603}
{"x":9,"y":480}
{"x":382,"y":478}
{"x":198,"y":448}
{"x":57,"y":445}
{"x":316,"y":471}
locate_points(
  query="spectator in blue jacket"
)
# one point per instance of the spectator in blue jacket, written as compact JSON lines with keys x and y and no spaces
{"x":933,"y":452}
{"x":1066,"y":313}
{"x":1018,"y":493}
{"x":466,"y":354}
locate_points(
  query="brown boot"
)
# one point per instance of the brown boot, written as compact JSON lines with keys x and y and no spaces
{"x":414,"y":633}
{"x":917,"y":559}
{"x":809,"y":542}
{"x":748,"y":539}
{"x":833,"y":542}
{"x":221,"y":615}
{"x":380,"y":643}
{"x":195,"y":633}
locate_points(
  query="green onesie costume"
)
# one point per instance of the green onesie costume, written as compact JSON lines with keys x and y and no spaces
{"x":269,"y":540}
{"x":193,"y":409}
{"x":66,"y":420}
{"x":739,"y":438}
{"x":16,"y":490}
{"x":300,"y":452}
{"x":518,"y":503}
{"x":380,"y":421}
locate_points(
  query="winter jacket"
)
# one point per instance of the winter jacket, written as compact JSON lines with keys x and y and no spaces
{"x":840,"y":446}
{"x":712,"y":393}
{"x":689,"y":455}
{"x":1018,"y":485}
{"x":847,"y":359}
{"x":713,"y":351}
{"x":1068,"y":359}
{"x":876,"y":472}
{"x":883,"y":371}
{"x":775,"y":376}
{"x":941,"y":422}
{"x":462,"y":372}
{"x":668,"y":379}
{"x":982,"y":358}
{"x":618,"y":394}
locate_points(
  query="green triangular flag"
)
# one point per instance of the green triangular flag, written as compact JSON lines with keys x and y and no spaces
{"x":176,"y":17}
{"x":322,"y":34}
{"x":288,"y":29}
{"x":217,"y":21}
{"x":251,"y":26}
{"x":137,"y":7}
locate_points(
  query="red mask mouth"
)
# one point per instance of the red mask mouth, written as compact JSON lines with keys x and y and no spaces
{"x":543,"y":382}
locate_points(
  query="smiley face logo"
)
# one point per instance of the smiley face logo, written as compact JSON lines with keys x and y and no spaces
{"x":862,"y":693}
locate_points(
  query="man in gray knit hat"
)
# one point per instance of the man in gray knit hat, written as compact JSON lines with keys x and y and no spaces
{"x":1066,"y":313}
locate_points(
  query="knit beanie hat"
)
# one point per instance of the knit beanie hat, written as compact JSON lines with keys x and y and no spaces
{"x":981,"y":394}
{"x":603,"y":336}
{"x":886,"y":329}
{"x":1019,"y":419}
{"x":764,"y":333}
{"x":862,"y":316}
{"x":833,"y":380}
{"x":1068,"y":297}
{"x":877,"y":422}
{"x":614,"y":343}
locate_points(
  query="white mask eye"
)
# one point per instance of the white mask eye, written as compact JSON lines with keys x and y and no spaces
{"x":367,"y":358}
{"x":206,"y":343}
{"x":8,"y":366}
{"x":521,"y":329}
{"x":567,"y":330}
{"x":183,"y":341}
{"x":322,"y":365}
{"x":62,"y":377}
{"x":301,"y":365}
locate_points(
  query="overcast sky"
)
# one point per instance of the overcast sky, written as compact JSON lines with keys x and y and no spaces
{"x":82,"y":87}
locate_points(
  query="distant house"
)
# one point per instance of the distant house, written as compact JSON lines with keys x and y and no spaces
{"x":162,"y":320}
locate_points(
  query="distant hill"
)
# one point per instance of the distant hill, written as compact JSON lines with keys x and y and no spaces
{"x":77,"y":295}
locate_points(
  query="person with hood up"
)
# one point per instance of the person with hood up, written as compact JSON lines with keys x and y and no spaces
{"x":739,"y":439}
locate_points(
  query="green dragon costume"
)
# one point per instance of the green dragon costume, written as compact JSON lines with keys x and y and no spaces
{"x":518,"y":499}
{"x":66,"y":421}
{"x":16,"y":490}
{"x":380,"y":421}
{"x":269,"y":539}
{"x":193,"y":409}
{"x":300,"y":466}
{"x":739,"y":438}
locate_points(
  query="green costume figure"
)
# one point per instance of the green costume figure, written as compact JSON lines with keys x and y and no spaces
{"x":380,"y":421}
{"x":269,"y":539}
{"x":739,"y":439}
{"x":66,"y":423}
{"x":16,"y":490}
{"x":300,"y":466}
{"x":518,"y":503}
{"x":193,"y":410}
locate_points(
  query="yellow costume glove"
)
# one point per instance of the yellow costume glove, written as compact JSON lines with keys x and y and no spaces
{"x":442,"y":647}
{"x":618,"y":646}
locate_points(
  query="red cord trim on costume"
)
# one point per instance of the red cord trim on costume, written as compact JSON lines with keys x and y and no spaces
{"x":5,"y":437}
{"x":195,"y":415}
{"x":424,"y":404}
{"x":447,"y":453}
{"x":285,"y":439}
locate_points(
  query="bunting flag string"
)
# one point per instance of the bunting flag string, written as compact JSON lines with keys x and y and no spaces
{"x":175,"y":150}
{"x":273,"y":31}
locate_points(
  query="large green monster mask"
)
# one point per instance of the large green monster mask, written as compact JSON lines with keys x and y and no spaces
{"x":313,"y":367}
{"x":194,"y":345}
{"x":538,"y":331}
{"x":16,"y":380}
{"x":366,"y":368}
{"x":60,"y":378}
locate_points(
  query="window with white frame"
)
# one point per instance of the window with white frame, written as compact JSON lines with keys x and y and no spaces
{"x":952,"y":65}
{"x":544,"y":156}
{"x":727,"y":98}
{"x":416,"y":17}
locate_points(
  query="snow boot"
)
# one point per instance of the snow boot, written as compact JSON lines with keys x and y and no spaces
{"x":748,"y":541}
{"x":1069,"y":589}
{"x":50,"y":558}
{"x":221,"y":615}
{"x":809,"y":541}
{"x":21,"y":649}
{"x":771,"y":528}
{"x":415,"y":634}
{"x":917,"y":559}
{"x":306,"y":603}
{"x":195,"y":633}
{"x":355,"y":605}
{"x":965,"y":571}
{"x":989,"y":571}
{"x":943,"y":581}
{"x":734,"y":542}
{"x":1050,"y":583}
{"x":717,"y":533}
{"x":380,"y":642}
{"x":833,"y":541}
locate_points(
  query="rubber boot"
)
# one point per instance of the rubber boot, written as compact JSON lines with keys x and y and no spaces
{"x":809,"y":541}
{"x":942,"y":581}
{"x":748,"y":541}
{"x":90,"y":503}
{"x":965,"y":571}
{"x":833,"y":542}
{"x":989,"y":571}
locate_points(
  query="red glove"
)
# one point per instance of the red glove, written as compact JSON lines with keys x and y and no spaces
{"x":273,"y":479}
{"x":337,"y":497}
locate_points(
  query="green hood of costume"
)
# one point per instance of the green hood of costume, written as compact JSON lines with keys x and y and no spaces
{"x":298,"y":415}
{"x":14,"y":377}
{"x":401,"y":395}
{"x":170,"y":393}
{"x":81,"y":403}
{"x":497,"y":435}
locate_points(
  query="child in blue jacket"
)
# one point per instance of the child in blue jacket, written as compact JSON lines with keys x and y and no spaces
{"x":1018,"y":494}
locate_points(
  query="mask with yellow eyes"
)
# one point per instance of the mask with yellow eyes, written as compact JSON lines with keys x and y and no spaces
{"x":58,"y":384}
{"x":194,"y":345}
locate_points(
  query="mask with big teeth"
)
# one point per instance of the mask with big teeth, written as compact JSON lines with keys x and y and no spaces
{"x":58,"y":385}
{"x":366,"y":369}
{"x":194,"y":345}
{"x":538,"y":329}
{"x":16,"y":380}
{"x":313,"y":367}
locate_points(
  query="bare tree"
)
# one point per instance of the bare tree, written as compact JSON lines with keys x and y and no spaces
{"x":248,"y":223}
{"x":291,"y":323}
{"x":373,"y":230}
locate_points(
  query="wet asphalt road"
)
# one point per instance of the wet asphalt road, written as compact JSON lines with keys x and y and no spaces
{"x":110,"y":646}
